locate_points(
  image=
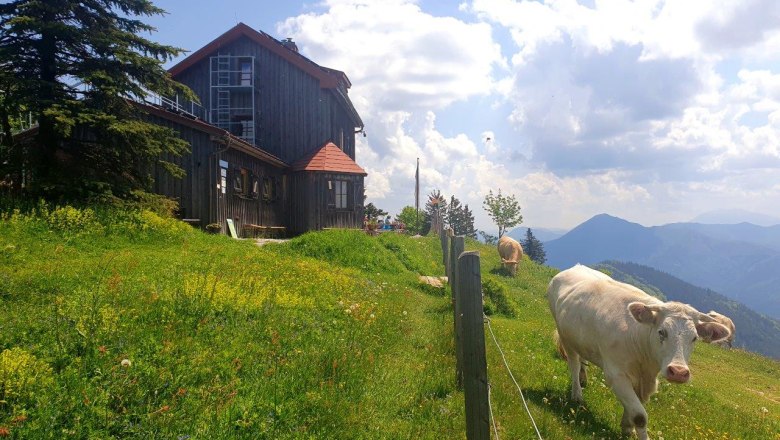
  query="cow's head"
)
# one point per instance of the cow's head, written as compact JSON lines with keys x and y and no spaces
{"x":673,"y":328}
{"x":510,"y":265}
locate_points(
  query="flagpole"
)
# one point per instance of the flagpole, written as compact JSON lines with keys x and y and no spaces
{"x":417,"y":192}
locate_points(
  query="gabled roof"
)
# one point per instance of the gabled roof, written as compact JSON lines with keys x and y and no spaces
{"x":329,"y":158}
{"x":329,"y":78}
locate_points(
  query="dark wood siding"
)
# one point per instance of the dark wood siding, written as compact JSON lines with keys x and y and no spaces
{"x":198,"y":194}
{"x":313,"y":206}
{"x":294,"y":116}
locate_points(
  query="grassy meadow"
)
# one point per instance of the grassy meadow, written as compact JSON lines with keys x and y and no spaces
{"x":125,"y":324}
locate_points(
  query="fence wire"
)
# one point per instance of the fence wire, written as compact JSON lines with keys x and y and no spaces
{"x":490,"y":408}
{"x":533,"y":422}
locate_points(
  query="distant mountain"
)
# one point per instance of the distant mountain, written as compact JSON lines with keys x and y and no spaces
{"x":541,"y":234}
{"x":734,"y":216}
{"x":741,"y":261}
{"x":754,"y":332}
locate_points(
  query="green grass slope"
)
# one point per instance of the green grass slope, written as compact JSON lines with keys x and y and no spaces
{"x":128,"y":325}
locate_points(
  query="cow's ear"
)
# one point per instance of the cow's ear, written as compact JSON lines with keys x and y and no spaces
{"x":712,"y":331}
{"x":642,"y":313}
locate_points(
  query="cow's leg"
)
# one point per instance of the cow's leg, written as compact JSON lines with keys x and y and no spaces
{"x":634,"y":414}
{"x":574,"y":370}
{"x":583,"y":375}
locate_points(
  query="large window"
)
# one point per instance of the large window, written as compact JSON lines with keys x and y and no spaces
{"x":340,"y":187}
{"x":246,"y":73}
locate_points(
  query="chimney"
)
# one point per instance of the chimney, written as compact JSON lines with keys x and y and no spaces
{"x":290,"y":44}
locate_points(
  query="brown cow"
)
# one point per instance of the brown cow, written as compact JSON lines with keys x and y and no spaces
{"x":511,"y":253}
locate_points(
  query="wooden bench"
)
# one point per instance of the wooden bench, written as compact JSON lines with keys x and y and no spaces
{"x":265,"y":231}
{"x":194,"y":222}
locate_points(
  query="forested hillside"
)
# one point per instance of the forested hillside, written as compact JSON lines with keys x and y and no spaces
{"x":755,"y":332}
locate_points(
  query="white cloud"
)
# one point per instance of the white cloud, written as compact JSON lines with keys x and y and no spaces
{"x":618,"y":106}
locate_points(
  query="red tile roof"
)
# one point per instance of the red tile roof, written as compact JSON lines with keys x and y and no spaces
{"x":329,"y":78}
{"x":328,"y":158}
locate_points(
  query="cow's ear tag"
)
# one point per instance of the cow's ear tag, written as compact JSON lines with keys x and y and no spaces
{"x":641,"y":313}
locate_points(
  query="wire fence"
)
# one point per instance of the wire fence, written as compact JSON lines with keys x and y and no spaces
{"x":509,"y":370}
{"x":463,"y":270}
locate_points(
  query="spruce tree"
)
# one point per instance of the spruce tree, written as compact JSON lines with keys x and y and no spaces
{"x":468,"y":223}
{"x":78,"y":64}
{"x":534,"y":248}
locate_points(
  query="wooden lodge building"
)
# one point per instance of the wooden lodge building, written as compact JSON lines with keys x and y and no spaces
{"x":272,"y":141}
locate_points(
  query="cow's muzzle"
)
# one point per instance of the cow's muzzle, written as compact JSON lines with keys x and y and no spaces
{"x":678,"y":373}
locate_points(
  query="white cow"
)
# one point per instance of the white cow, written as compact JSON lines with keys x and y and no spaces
{"x":631,"y":335}
{"x":725,"y":320}
{"x":511,"y":252}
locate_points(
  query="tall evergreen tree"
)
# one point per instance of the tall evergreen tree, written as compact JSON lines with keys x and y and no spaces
{"x":468,"y":229}
{"x":77,"y":63}
{"x":454,"y":215}
{"x":461,"y":219}
{"x":534,"y":248}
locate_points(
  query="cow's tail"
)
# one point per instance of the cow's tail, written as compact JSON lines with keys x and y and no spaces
{"x":557,"y":340}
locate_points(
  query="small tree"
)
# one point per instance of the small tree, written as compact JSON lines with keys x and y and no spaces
{"x":504,"y":210}
{"x":409,"y":218}
{"x":373,"y":213}
{"x":534,"y":248}
{"x":488,"y":238}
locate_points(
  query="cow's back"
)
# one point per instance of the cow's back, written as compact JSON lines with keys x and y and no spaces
{"x":509,"y":249}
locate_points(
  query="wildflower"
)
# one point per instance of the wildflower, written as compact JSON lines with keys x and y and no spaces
{"x":347,"y":311}
{"x":764,"y":410}
{"x":4,"y":432}
{"x":372,"y":316}
{"x":126,"y":363}
{"x":404,"y":312}
{"x":102,"y":349}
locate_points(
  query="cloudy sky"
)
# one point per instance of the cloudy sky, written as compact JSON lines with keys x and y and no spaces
{"x":654,"y":111}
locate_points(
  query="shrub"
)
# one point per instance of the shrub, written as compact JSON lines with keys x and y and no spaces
{"x":496,"y":298}
{"x":71,"y":221}
{"x":22,"y":376}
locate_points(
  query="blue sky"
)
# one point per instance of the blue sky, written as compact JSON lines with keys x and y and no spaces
{"x":652,"y":110}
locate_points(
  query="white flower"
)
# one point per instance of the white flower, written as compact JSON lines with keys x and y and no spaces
{"x":764,"y":410}
{"x":125,"y":363}
{"x":404,"y":312}
{"x":372,"y":316}
{"x":347,"y":311}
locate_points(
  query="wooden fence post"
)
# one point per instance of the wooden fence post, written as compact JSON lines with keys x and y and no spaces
{"x":474,"y":361}
{"x":456,"y":248}
{"x":445,"y":254}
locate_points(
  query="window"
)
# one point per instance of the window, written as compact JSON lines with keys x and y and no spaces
{"x":269,"y":192}
{"x":241,"y":181}
{"x":341,"y":190}
{"x":255,"y":187}
{"x":246,"y":73}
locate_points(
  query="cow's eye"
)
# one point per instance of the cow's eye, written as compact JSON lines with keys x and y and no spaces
{"x":695,"y":338}
{"x":662,"y":333}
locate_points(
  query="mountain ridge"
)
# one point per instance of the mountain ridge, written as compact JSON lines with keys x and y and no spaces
{"x":739,"y":261}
